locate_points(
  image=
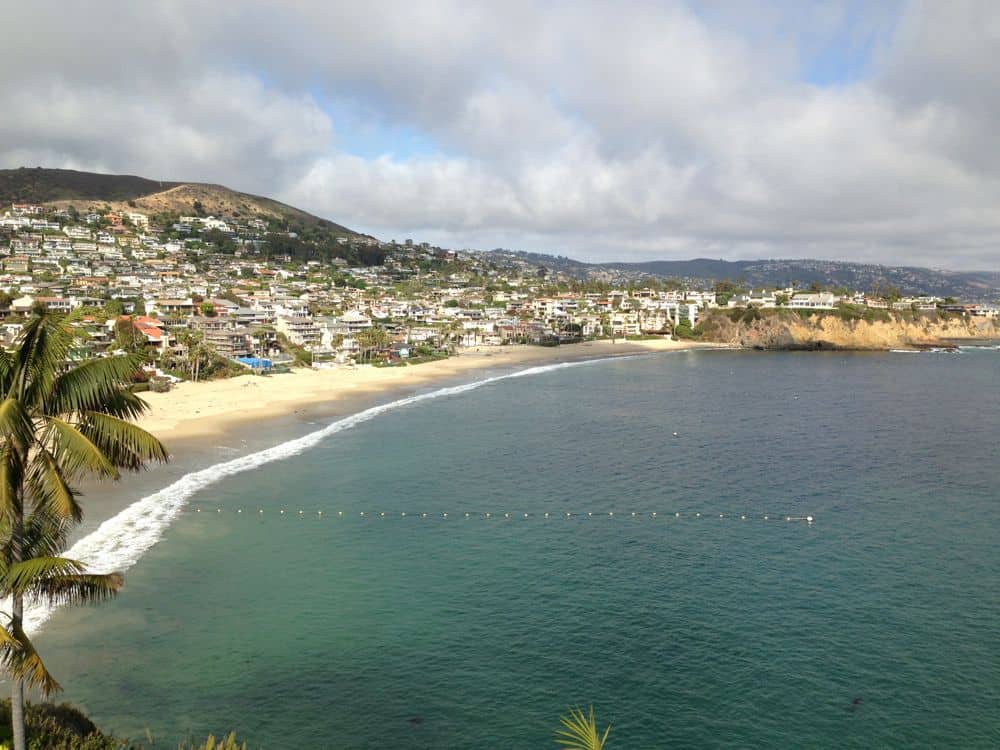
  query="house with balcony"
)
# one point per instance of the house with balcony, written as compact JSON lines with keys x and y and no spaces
{"x":300,"y":331}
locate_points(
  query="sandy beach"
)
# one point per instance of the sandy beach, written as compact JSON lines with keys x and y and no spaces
{"x":200,"y":410}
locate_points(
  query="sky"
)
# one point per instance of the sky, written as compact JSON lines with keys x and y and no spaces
{"x":628,"y":130}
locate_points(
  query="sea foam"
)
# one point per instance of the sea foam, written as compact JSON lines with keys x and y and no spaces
{"x":119,"y":542}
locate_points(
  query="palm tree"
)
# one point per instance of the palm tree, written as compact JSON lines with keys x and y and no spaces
{"x":580,"y":731}
{"x":57,"y":423}
{"x":371,"y":340}
{"x":262,"y":335}
{"x":193,"y":342}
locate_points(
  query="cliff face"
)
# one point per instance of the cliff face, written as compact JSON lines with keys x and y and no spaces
{"x":788,"y":330}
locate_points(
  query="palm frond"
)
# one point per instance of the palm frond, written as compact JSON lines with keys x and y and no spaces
{"x":44,"y":346}
{"x":7,"y":370}
{"x":7,"y":643}
{"x":15,"y":422}
{"x":44,"y":535}
{"x":49,"y":489}
{"x":580,"y":731}
{"x":11,"y":473}
{"x":97,"y":385}
{"x":80,"y":588}
{"x":30,"y":576}
{"x":124,"y":405}
{"x":126,"y":445}
{"x":22,"y":661}
{"x":73,"y":451}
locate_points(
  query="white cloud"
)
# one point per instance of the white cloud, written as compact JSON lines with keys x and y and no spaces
{"x":645,"y":129}
{"x":218,"y":128}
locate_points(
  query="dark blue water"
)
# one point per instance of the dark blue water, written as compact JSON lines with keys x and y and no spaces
{"x":875,"y":626}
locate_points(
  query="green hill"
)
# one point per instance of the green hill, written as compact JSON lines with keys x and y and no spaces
{"x":38,"y":185}
{"x":127,"y":192}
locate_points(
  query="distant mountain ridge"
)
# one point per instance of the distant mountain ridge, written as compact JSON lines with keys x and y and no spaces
{"x":129,"y":192}
{"x":974,"y":286}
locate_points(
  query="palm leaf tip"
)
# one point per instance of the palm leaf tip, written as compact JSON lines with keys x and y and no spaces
{"x":580,"y":731}
{"x":82,"y":588}
{"x":21,"y":661}
{"x":126,"y":445}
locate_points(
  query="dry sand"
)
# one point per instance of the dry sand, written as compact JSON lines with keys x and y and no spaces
{"x":193,"y":410}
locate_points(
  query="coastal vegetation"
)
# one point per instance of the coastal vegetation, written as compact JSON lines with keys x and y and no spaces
{"x":57,"y":727}
{"x":64,"y":727}
{"x":58,"y":423}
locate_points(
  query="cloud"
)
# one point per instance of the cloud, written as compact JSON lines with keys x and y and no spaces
{"x":637,"y":130}
{"x":218,"y":128}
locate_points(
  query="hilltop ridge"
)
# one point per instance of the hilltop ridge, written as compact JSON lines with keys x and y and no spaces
{"x":773,"y":273}
{"x":43,"y":185}
{"x":67,"y":187}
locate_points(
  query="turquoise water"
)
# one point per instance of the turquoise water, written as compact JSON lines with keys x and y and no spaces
{"x":875,"y":626}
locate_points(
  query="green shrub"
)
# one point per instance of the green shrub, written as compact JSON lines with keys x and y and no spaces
{"x":226,"y":743}
{"x":683,"y":330}
{"x":848,"y":312}
{"x":58,"y":727}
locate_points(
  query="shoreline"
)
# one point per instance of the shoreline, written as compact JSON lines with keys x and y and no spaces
{"x":208,"y":426}
{"x":207,"y":423}
{"x":193,"y":412}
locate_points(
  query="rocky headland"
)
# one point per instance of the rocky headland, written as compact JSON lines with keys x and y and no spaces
{"x":836,"y":329}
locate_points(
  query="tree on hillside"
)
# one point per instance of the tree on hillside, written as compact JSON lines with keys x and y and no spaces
{"x":197,"y":350}
{"x":128,"y":338}
{"x":725,"y":287}
{"x":56,"y":426}
{"x":262,"y":335}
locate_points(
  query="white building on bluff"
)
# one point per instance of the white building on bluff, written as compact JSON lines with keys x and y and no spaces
{"x":813,"y":301}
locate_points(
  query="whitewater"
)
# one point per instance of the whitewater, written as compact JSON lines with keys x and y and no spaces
{"x":119,"y":542}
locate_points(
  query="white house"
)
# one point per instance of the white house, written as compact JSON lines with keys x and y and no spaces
{"x":813,"y":301}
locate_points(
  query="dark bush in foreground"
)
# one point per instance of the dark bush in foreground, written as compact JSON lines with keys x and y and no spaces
{"x":63,"y":727}
{"x":58,"y":727}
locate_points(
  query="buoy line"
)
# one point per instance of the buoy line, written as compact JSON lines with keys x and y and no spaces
{"x":503,"y":515}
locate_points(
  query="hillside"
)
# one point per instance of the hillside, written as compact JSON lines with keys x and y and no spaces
{"x":978,"y":286}
{"x":67,"y":187}
{"x":38,"y":185}
{"x":971,"y":286}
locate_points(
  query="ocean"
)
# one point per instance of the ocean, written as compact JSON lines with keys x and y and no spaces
{"x":630,"y":534}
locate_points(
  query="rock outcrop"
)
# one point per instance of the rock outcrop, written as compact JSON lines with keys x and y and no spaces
{"x":787,"y":329}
